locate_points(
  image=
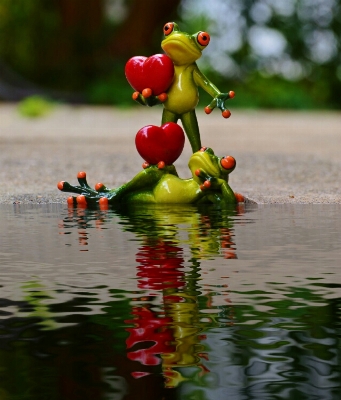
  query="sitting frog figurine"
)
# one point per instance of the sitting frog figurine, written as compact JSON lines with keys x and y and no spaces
{"x":208,"y":184}
{"x":182,"y":96}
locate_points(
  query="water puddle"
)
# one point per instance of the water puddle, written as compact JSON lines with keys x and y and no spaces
{"x":170,"y":303}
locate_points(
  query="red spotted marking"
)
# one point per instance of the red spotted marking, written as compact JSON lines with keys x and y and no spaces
{"x":147,"y":92}
{"x":226,"y":114}
{"x":60,"y":185}
{"x":81,"y":175}
{"x":81,"y":199}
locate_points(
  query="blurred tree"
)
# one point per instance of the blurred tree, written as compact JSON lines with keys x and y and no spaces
{"x":289,"y":46}
{"x":141,"y":31}
{"x":273,"y":42}
{"x":66,"y":44}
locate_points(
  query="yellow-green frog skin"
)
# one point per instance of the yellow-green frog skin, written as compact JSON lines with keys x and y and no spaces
{"x":171,"y":189}
{"x":208,"y":184}
{"x":183,"y":96}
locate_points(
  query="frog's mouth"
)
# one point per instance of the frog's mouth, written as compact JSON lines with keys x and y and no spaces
{"x":180,"y":51}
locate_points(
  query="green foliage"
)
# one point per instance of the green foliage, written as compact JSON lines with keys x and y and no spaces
{"x":279,"y":53}
{"x":258,"y":91}
{"x":38,"y":44}
{"x":26,"y":29}
{"x":111,"y":89}
{"x":34,"y":106}
{"x":274,"y":92}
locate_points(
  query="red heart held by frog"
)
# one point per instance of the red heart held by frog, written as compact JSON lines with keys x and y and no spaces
{"x":164,"y":143}
{"x":155,"y":72}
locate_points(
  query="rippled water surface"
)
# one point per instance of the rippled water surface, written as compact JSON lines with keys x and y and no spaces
{"x":170,"y":303}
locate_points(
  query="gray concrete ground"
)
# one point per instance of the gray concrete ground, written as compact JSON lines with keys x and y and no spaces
{"x":282,"y":157}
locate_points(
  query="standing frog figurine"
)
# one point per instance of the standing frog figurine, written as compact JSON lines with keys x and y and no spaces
{"x":182,"y":96}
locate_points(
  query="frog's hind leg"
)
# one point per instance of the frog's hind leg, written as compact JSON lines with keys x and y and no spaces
{"x":168,"y":116}
{"x":190,"y":124}
{"x":86,"y":195}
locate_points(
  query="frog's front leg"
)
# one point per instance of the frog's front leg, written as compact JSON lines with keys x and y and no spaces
{"x":219,"y":101}
{"x":146,"y":99}
{"x":224,"y":195}
{"x":219,"y":98}
{"x":190,"y":124}
{"x":217,"y":190}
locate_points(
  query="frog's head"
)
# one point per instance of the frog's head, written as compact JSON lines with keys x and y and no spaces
{"x":208,"y":163}
{"x":181,"y":47}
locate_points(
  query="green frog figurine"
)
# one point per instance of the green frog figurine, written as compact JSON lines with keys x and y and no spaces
{"x":176,"y":87}
{"x":155,"y":185}
{"x":182,"y":96}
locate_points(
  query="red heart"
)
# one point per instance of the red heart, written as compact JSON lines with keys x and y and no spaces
{"x":155,"y":72}
{"x":163,"y":143}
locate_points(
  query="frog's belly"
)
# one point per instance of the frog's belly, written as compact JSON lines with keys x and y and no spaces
{"x":175,"y":190}
{"x":180,"y":102}
{"x":183,"y":95}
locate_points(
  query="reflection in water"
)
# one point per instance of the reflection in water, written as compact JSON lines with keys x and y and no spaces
{"x":175,"y":331}
{"x":166,"y":336}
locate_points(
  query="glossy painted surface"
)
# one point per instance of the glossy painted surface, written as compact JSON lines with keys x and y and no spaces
{"x":209,"y":184}
{"x":155,"y":73}
{"x":183,"y":96}
{"x":164,"y":143}
{"x":173,"y":80}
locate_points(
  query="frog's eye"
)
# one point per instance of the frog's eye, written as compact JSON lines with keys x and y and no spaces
{"x":168,"y":28}
{"x":203,"y":38}
{"x":228,"y":162}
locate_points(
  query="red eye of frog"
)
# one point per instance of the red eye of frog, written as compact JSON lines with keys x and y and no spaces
{"x":203,"y":38}
{"x":168,"y":28}
{"x":228,"y":162}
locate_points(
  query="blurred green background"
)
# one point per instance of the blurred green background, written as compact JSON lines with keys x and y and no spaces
{"x":272,"y":53}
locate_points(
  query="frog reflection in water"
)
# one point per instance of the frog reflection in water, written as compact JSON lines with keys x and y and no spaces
{"x":182,"y":97}
{"x":209,"y":184}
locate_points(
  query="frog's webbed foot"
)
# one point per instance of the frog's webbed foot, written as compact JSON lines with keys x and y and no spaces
{"x":206,"y":180}
{"x":216,"y":188}
{"x":219,"y":101}
{"x":146,"y":98}
{"x":86,"y":195}
{"x":239,"y":197}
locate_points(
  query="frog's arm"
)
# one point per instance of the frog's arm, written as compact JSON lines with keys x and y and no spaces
{"x":217,"y":190}
{"x":149,"y":101}
{"x":224,"y":196}
{"x":219,"y":98}
{"x":201,"y":80}
{"x":228,"y":194}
